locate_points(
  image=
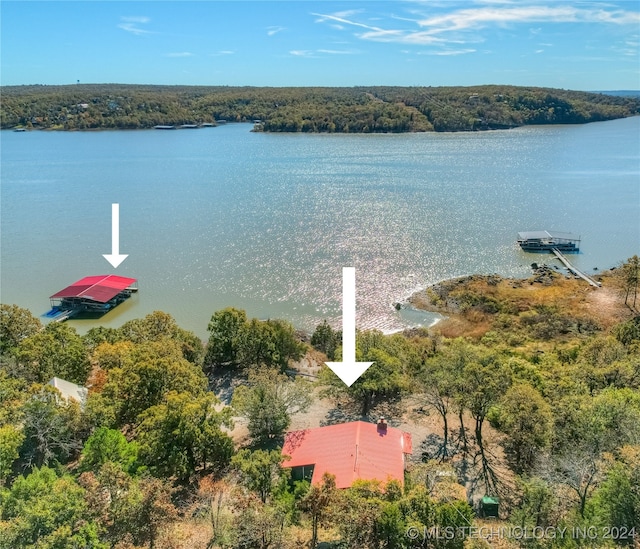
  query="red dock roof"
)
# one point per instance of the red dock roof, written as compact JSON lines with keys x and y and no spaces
{"x":99,"y":288}
{"x":350,"y":451}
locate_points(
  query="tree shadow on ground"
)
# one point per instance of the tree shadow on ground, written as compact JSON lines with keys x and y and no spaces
{"x":223,"y":382}
{"x":483,"y":472}
{"x":346,"y":411}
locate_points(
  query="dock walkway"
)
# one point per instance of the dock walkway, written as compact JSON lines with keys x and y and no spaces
{"x":572,"y":269}
{"x":65,"y":314}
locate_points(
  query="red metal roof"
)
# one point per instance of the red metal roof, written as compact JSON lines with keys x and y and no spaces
{"x":350,"y":451}
{"x":99,"y":288}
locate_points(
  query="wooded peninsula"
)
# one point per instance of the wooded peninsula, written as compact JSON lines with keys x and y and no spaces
{"x":375,"y":109}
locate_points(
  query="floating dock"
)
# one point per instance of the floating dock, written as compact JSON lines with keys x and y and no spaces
{"x":91,"y":294}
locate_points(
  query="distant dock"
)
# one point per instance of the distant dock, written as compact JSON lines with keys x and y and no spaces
{"x":184,"y":126}
{"x":557,"y":243}
{"x":547,"y":241}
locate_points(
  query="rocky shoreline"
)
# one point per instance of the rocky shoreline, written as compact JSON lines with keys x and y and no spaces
{"x":441,"y":297}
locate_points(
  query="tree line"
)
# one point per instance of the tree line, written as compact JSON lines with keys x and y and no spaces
{"x":374,"y":109}
{"x":549,"y":423}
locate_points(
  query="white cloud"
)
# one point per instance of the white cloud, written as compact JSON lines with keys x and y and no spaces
{"x":180,"y":54}
{"x":480,"y":17}
{"x":222,"y":52}
{"x":403,"y":37}
{"x":274,"y":30}
{"x":135,"y":19}
{"x":302,"y":53}
{"x":461,"y":26}
{"x":321,"y":53}
{"x":337,"y":52}
{"x":132,"y":24}
{"x":453,"y":52}
{"x":341,"y":19}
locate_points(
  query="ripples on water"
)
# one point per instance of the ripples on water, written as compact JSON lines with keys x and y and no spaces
{"x":220,"y":217}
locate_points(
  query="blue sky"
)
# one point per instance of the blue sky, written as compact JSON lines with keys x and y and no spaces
{"x":582,"y":45}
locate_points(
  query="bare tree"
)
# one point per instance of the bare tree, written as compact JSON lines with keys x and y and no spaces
{"x":629,"y":273}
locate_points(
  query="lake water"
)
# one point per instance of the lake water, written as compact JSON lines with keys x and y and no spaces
{"x":265,"y":222}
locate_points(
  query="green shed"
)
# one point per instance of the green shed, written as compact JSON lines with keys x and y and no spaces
{"x":489,"y":506}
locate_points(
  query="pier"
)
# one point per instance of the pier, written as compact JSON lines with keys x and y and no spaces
{"x":572,"y":269}
{"x":60,"y":315}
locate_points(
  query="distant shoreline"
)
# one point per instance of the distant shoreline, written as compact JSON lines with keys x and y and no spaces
{"x":359,"y":110}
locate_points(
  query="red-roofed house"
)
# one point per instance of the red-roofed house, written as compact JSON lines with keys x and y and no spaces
{"x":350,"y":451}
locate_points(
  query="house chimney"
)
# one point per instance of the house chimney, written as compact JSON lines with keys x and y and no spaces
{"x":382,"y":425}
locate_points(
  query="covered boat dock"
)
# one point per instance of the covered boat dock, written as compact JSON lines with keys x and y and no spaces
{"x":546,"y":241}
{"x":92,"y":294}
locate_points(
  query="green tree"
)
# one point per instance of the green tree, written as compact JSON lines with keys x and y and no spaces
{"x":384,"y":379}
{"x":538,"y":504}
{"x":48,"y":512}
{"x":419,"y":508}
{"x":11,"y":439}
{"x":119,"y":354}
{"x":590,"y":428}
{"x":16,"y":324}
{"x":326,"y":340}
{"x":257,"y":525}
{"x":131,"y":511}
{"x":55,"y":351}
{"x":268,"y":401}
{"x":156,"y":368}
{"x":101,"y":334}
{"x":236,"y":341}
{"x":227,"y":329}
{"x":526,"y":417}
{"x":13,"y":393}
{"x":629,"y":274}
{"x":286,"y":343}
{"x":628,"y":333}
{"x":390,"y":527}
{"x":160,"y":326}
{"x":52,"y":428}
{"x":108,"y":445}
{"x":387,"y":378}
{"x":600,"y":363}
{"x":261,"y":471}
{"x":483,"y":384}
{"x":611,"y":420}
{"x":319,"y":502}
{"x":616,"y":502}
{"x":358,"y":513}
{"x":270,"y":343}
{"x":183,"y":434}
{"x":438,"y":386}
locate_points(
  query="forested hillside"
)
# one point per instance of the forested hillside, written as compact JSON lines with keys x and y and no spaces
{"x":529,"y":393}
{"x":347,"y":110}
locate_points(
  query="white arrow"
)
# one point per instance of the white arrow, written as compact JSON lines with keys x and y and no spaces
{"x":349,"y":370}
{"x":115,"y":257}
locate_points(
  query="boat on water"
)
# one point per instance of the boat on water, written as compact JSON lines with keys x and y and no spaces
{"x":547,"y":241}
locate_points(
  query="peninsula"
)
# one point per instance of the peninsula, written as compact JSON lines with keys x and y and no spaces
{"x":375,"y":109}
